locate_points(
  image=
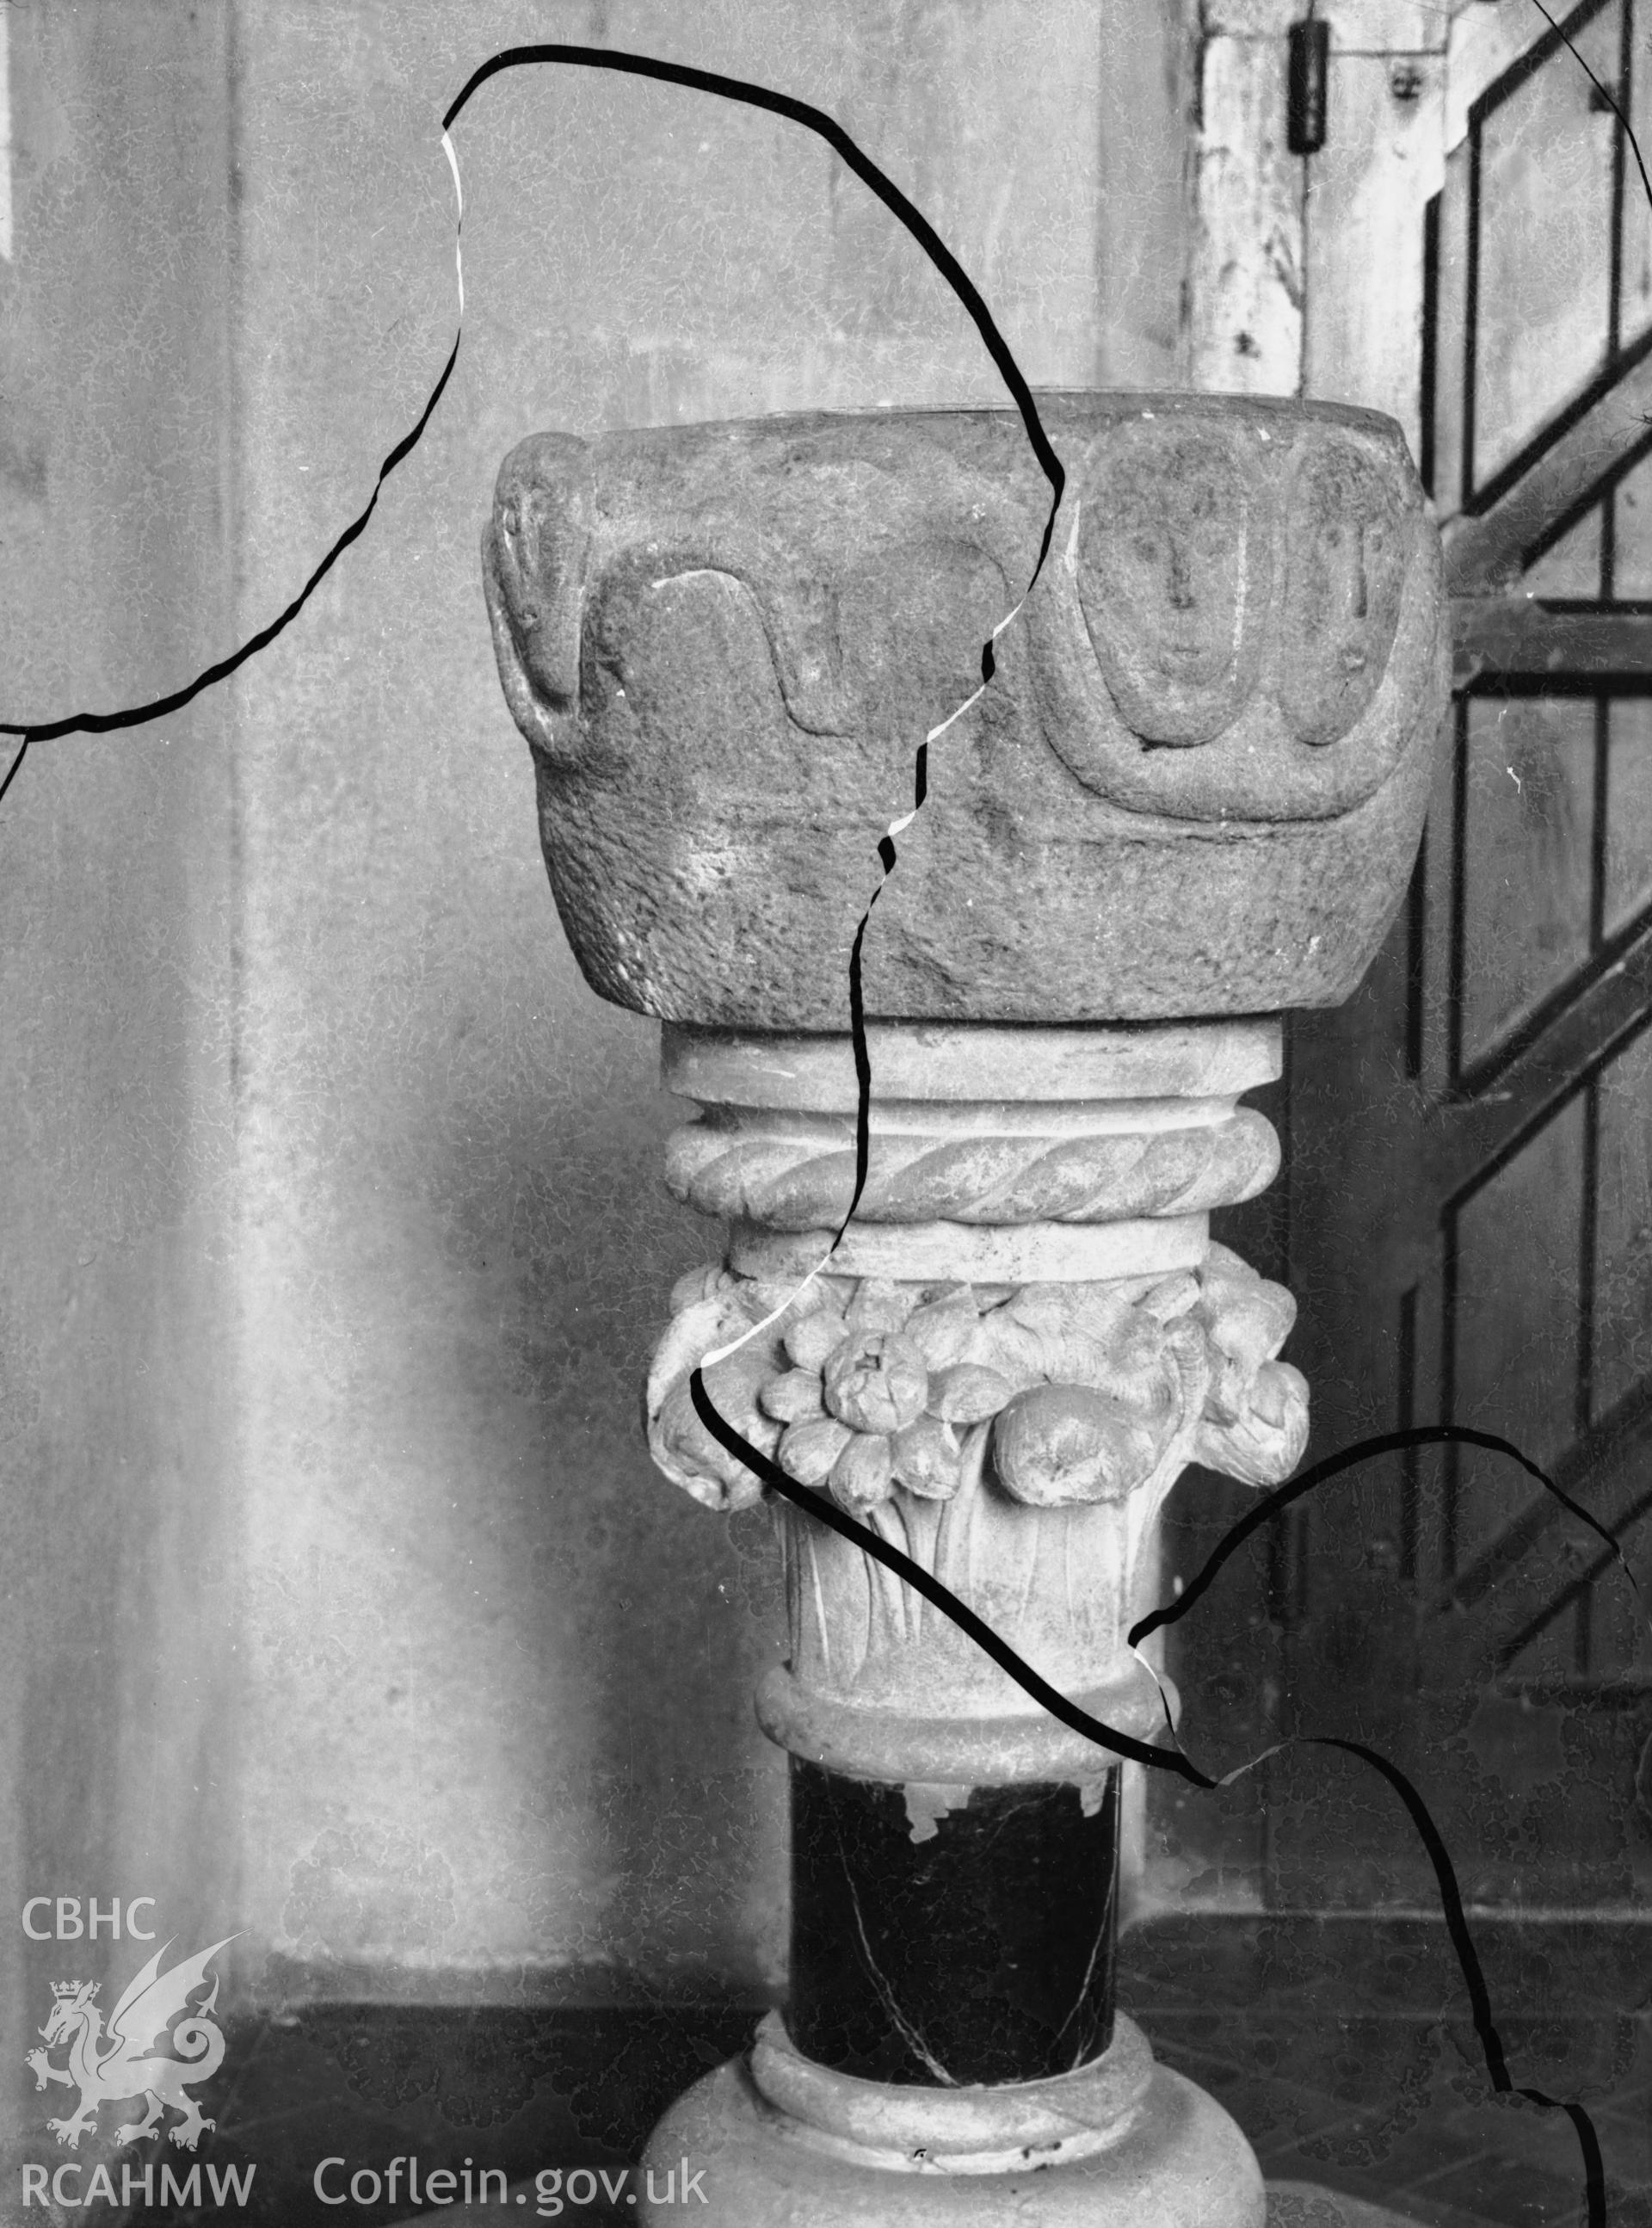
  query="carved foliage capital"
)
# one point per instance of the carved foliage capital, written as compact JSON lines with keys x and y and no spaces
{"x":866,"y":1388}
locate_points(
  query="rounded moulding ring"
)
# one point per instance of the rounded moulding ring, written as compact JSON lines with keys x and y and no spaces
{"x":960,"y":1752}
{"x":1175,"y":2158}
{"x":963,"y":2130}
{"x":931,"y":1062}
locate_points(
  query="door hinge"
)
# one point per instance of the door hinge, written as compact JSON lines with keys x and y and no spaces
{"x":1305,"y":86}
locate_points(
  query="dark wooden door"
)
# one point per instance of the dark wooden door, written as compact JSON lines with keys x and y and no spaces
{"x":1468,"y":1220}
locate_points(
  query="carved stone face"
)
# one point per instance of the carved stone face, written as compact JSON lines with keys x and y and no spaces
{"x":1348,"y":546}
{"x":1173,"y":571}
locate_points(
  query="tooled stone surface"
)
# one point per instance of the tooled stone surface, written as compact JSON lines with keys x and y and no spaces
{"x":1194,"y":786}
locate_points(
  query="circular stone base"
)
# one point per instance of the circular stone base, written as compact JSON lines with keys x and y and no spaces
{"x":1177,"y":2160}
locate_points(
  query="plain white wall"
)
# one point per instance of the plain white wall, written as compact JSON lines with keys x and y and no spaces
{"x":120,"y":1483}
{"x":410,"y":1664}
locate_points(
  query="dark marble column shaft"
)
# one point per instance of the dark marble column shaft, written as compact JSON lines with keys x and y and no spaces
{"x":965,"y":1944}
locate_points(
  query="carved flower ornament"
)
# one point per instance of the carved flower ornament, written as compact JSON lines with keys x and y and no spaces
{"x":1085,"y":1393}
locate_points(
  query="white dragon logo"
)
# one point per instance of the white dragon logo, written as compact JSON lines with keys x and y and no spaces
{"x":121,"y":2065}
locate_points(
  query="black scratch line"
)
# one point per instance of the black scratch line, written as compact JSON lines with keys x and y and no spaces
{"x":138,"y":715}
{"x":941,"y":1596}
{"x":645,"y":66}
{"x":1056,"y":1704}
{"x":963,"y":287}
{"x":1175,"y":1760}
{"x":1423,"y":1435}
{"x":1606,"y":95}
{"x":827,"y":128}
{"x":1474,"y":1977}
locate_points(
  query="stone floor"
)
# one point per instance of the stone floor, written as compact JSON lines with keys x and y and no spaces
{"x":1343,"y":2048}
{"x":1347,"y":2053}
